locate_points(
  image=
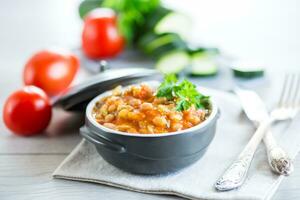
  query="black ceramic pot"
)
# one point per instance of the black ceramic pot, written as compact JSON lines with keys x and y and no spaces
{"x":150,"y":153}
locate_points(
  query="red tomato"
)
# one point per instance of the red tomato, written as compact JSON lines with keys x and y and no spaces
{"x":27,"y":111}
{"x":51,"y":71}
{"x":100,"y":37}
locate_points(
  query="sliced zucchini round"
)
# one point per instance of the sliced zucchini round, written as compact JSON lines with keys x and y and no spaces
{"x":247,"y":70}
{"x":173,"y":62}
{"x":203,"y":64}
{"x":174,"y":22}
{"x":154,"y":17}
{"x":161,"y":40}
{"x":144,"y":40}
{"x":157,"y":45}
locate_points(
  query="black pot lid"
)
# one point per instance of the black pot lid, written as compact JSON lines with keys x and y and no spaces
{"x":78,"y":96}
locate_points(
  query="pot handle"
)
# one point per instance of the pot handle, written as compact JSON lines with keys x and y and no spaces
{"x":100,"y":140}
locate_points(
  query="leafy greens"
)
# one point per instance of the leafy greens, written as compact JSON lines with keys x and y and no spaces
{"x":184,"y":93}
{"x":131,"y":14}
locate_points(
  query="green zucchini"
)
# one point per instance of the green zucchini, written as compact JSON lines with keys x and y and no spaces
{"x":174,"y":22}
{"x":247,"y":70}
{"x":203,"y":64}
{"x":154,"y":17}
{"x":157,"y":45}
{"x":173,"y":62}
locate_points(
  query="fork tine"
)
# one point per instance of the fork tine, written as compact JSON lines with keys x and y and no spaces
{"x":296,"y":100}
{"x":284,"y":91}
{"x":291,"y":91}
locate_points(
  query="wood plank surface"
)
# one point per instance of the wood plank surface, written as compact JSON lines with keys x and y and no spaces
{"x":25,"y":177}
{"x":29,"y":177}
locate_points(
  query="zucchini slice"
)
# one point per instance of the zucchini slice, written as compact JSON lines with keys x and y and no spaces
{"x":174,"y":22}
{"x":157,"y":45}
{"x":173,"y":62}
{"x":203,"y":64}
{"x":247,"y":70}
{"x":154,"y":17}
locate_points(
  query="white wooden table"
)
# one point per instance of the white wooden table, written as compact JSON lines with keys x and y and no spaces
{"x":263,"y":30}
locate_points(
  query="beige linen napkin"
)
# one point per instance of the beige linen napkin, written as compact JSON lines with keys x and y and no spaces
{"x":196,"y":181}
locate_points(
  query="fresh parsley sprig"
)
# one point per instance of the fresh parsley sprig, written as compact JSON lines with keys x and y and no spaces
{"x":185,"y":93}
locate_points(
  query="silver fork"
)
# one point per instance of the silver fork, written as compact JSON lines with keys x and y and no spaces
{"x":277,"y":157}
{"x":287,"y":108}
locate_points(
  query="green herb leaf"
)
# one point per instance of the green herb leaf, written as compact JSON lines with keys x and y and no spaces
{"x":183,"y":104}
{"x":167,"y":87}
{"x":185,"y":93}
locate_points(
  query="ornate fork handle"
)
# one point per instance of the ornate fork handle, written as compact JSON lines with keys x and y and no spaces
{"x":236,"y":174}
{"x":279,"y":160}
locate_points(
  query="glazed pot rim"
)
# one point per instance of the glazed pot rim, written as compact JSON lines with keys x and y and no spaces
{"x":204,"y":124}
